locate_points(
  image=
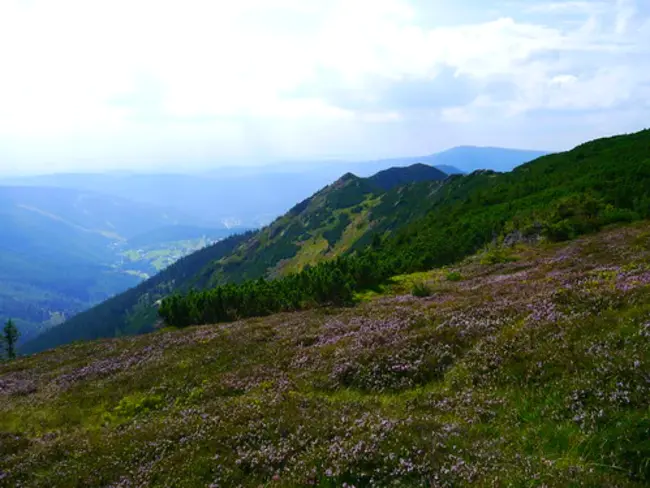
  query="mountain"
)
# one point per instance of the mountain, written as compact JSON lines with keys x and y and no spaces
{"x":493,"y":330}
{"x":340,"y":217}
{"x":392,"y":177}
{"x":458,"y":160}
{"x":253,"y":197}
{"x":472,"y":158}
{"x":60,"y":251}
{"x":418,"y":225}
{"x":528,"y":371}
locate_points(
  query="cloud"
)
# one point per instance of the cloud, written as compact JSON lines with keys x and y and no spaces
{"x":143,"y":83}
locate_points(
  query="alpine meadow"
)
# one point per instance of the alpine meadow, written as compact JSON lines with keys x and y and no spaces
{"x":325,"y":243}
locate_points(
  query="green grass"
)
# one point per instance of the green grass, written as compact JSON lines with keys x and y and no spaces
{"x":500,"y":379}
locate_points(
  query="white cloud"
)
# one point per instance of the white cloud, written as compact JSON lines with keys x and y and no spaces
{"x":132,"y":82}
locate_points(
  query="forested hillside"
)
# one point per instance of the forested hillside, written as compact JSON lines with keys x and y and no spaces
{"x":557,"y":197}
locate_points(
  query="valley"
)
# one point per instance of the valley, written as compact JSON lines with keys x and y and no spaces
{"x":63,"y":251}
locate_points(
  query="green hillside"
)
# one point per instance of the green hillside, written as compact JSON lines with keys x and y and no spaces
{"x":339,"y":218}
{"x":554,"y":198}
{"x":531,"y":371}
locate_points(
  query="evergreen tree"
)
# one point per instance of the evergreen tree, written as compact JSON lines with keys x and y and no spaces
{"x":10,"y":337}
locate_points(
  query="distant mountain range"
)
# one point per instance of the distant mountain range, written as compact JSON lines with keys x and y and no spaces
{"x":251,"y":197}
{"x":464,"y":159}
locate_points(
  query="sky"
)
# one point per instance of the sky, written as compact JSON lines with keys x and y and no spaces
{"x":93,"y":85}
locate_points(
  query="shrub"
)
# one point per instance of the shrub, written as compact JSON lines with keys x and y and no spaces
{"x":454,"y":276}
{"x":421,"y":290}
{"x":134,"y":405}
{"x":497,"y":255}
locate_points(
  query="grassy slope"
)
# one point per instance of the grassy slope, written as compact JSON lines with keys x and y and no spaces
{"x":297,"y":238}
{"x":340,"y":218}
{"x":529,"y":372}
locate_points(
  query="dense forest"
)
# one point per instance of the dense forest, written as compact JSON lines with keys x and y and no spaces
{"x":557,"y":197}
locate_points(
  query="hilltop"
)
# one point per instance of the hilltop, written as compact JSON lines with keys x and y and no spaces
{"x":523,"y":363}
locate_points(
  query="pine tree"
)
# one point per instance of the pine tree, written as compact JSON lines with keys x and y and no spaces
{"x":10,"y":336}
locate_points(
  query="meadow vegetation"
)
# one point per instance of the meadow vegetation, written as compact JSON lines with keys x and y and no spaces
{"x":530,"y":371}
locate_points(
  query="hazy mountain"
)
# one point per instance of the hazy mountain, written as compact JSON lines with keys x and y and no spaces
{"x":107,"y":215}
{"x":209,"y":200}
{"x":463,"y":159}
{"x":61,"y":250}
{"x":471,"y":158}
{"x":254,"y":196}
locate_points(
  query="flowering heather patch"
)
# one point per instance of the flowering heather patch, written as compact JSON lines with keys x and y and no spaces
{"x":530,"y":372}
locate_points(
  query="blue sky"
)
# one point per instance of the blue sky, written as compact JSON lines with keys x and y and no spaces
{"x":154,"y":84}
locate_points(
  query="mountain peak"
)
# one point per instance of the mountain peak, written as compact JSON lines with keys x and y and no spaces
{"x":346,"y":178}
{"x":392,"y":177}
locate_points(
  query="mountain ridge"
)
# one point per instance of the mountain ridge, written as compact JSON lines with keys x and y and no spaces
{"x":276,"y":187}
{"x":331,"y":222}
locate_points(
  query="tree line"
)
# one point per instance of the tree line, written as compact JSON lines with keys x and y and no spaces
{"x":328,"y":283}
